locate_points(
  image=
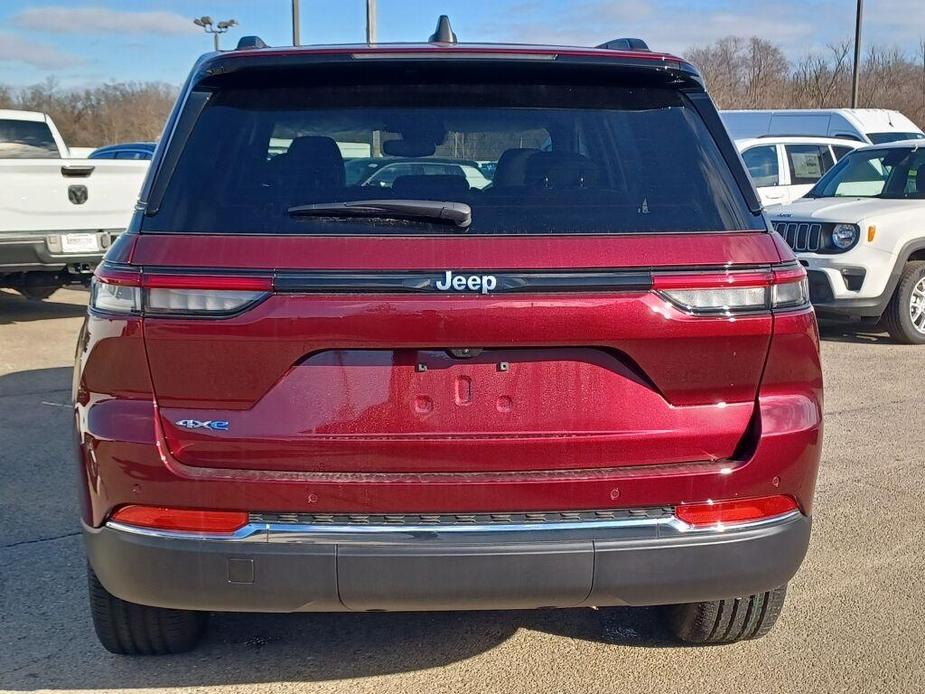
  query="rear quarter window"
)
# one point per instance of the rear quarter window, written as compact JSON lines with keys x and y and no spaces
{"x":762,"y":165}
{"x":566,"y":159}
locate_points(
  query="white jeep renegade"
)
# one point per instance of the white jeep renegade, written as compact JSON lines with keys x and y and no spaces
{"x":860,"y":233}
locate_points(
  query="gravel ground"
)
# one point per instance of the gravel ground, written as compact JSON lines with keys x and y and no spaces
{"x":853,"y":621}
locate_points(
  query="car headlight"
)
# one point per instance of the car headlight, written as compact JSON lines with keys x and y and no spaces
{"x":844,"y":236}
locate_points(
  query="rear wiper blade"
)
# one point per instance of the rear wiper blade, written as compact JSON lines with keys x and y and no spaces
{"x":458,"y":213}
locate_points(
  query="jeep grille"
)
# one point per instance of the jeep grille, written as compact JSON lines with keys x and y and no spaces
{"x":801,"y":236}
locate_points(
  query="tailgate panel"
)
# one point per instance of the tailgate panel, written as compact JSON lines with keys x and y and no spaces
{"x":428,"y":411}
{"x":34,"y":194}
{"x":323,"y":382}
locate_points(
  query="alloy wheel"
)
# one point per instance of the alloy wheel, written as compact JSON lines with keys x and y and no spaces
{"x":917,"y":306}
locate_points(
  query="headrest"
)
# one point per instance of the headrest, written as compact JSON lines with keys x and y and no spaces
{"x":561,"y":170}
{"x":314,"y":160}
{"x":920,"y":181}
{"x":433,"y":186}
{"x":511,"y":169}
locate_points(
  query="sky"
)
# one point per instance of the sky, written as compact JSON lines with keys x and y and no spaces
{"x":83,"y":43}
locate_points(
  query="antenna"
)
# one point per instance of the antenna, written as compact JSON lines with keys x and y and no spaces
{"x":625,"y":44}
{"x":444,"y":32}
{"x":248,"y":42}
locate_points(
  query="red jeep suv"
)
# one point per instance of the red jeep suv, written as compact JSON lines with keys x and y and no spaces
{"x":588,"y":378}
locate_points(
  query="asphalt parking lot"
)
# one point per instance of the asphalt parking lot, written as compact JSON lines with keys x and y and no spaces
{"x":853,"y":622}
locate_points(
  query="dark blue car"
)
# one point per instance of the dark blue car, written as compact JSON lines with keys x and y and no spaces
{"x":130,"y":150}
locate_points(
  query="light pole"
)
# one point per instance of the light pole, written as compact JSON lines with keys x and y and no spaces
{"x":295,"y":23}
{"x":370,"y":21}
{"x":215,"y":29}
{"x":856,"y":74}
{"x":376,"y":144}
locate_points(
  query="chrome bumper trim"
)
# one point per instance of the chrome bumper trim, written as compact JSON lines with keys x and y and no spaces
{"x":665,"y":528}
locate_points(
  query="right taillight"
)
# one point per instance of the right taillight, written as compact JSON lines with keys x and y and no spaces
{"x":131,"y":291}
{"x":733,"y":292}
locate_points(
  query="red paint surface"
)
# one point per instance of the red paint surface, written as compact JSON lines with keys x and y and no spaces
{"x":606,"y":391}
{"x":563,"y":409}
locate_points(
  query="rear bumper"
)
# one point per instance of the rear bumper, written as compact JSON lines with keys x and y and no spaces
{"x":31,"y":251}
{"x":292,"y":568}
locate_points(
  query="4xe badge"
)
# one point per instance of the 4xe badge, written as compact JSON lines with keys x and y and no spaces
{"x":211,"y":424}
{"x":460,"y":283}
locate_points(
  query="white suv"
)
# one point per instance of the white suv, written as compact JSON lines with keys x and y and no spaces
{"x":784,"y":169}
{"x":860,"y":232}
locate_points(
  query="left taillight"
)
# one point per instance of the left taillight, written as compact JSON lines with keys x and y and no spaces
{"x":177,"y":519}
{"x":131,"y":291}
{"x":115,"y":298}
{"x":116,"y":290}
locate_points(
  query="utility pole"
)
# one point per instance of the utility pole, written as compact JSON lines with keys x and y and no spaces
{"x":856,"y":75}
{"x":295,"y":23}
{"x":370,"y":21}
{"x":215,"y":29}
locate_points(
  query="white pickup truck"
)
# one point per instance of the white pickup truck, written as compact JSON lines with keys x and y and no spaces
{"x":57,"y":214}
{"x":860,"y":233}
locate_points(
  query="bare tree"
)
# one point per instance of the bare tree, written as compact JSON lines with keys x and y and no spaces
{"x":718,"y":63}
{"x":743,"y":73}
{"x":887,"y":73}
{"x":99,"y":115}
{"x":821,"y":81}
{"x":755,"y":73}
{"x":921,"y":61}
{"x":766,"y":73}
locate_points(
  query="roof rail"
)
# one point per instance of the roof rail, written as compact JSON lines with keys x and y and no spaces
{"x":444,"y":32}
{"x":625,"y":44}
{"x":836,"y":136}
{"x":250,"y":42}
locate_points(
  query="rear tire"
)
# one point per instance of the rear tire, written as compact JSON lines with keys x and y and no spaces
{"x":898,"y":318}
{"x":726,"y":621}
{"x":125,"y":628}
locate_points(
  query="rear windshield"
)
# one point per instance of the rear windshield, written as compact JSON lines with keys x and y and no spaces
{"x":527,"y":159}
{"x":25,"y":139}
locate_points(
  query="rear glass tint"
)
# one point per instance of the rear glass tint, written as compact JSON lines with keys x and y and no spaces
{"x":559,"y":159}
{"x":26,"y":139}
